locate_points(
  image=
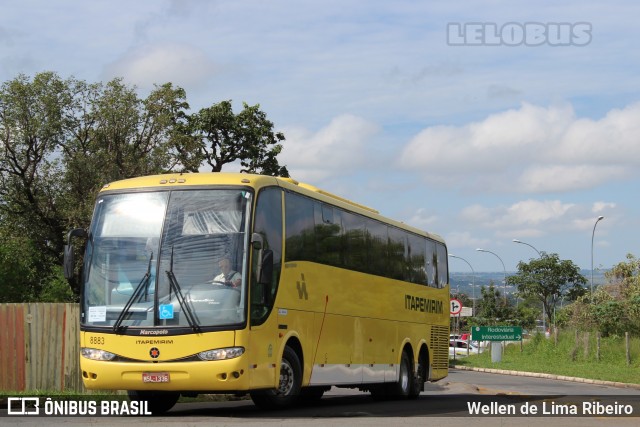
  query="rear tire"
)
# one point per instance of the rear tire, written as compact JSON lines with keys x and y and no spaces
{"x":158,"y":402}
{"x":288,"y":391}
{"x":402,"y":389}
{"x":417,"y":385}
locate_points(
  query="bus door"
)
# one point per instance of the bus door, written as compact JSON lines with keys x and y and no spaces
{"x":266,"y":264}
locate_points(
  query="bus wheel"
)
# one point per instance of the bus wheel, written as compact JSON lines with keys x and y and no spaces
{"x":417,"y":385}
{"x":157,"y":402}
{"x":402,"y":388}
{"x":288,"y":390}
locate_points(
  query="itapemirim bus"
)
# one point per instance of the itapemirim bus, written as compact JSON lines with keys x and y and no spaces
{"x":331,"y":293}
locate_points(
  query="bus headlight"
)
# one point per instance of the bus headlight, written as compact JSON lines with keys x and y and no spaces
{"x":95,"y":354}
{"x":221,"y":353}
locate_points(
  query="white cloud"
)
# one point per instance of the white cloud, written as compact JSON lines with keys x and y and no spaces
{"x":181,"y":64}
{"x":340,"y":148}
{"x":560,"y":178}
{"x":476,"y":214}
{"x":530,"y":219}
{"x":534,"y":212}
{"x":523,"y":218}
{"x":530,"y":149}
{"x":464,"y":239}
{"x":422,"y":219}
{"x":602,"y":206}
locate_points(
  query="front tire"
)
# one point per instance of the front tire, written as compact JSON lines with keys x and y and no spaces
{"x":288,"y":391}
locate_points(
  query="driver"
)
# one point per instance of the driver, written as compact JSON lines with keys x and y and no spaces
{"x":228,"y":276}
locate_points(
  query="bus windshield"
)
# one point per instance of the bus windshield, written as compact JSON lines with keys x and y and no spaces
{"x":167,"y":259}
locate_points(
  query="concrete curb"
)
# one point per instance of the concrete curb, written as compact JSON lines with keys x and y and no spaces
{"x":548,"y":376}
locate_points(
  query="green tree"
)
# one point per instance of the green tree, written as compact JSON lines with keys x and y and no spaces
{"x":492,"y":307}
{"x":31,"y":128}
{"x":62,"y":140}
{"x":615,"y":307}
{"x":18,"y":270}
{"x":217,"y":136}
{"x":111,"y":134}
{"x":546,"y":279}
{"x":623,"y":280}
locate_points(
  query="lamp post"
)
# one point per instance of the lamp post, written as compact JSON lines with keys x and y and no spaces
{"x":592,"y":235}
{"x":473,"y":286}
{"x":503,"y":267}
{"x":544,"y":314}
{"x":531,"y":246}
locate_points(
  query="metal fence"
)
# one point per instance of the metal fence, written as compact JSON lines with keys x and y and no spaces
{"x":39,"y":347}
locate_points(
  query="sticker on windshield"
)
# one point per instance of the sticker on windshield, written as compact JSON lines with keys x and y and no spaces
{"x":166,"y":311}
{"x":98,"y":314}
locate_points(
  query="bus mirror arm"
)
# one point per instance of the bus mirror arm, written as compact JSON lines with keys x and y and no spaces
{"x":69,"y":261}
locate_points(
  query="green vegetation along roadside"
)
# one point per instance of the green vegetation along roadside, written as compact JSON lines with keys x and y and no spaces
{"x":573,"y":355}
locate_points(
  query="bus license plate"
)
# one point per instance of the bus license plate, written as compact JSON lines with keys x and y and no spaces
{"x":155,"y":377}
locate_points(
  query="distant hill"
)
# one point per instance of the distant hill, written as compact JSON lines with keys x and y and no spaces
{"x":462,"y":281}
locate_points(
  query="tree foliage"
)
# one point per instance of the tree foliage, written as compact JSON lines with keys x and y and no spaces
{"x":548,"y":279}
{"x":614,"y":308}
{"x":217,"y":136}
{"x":62,"y":140}
{"x":493,"y":308}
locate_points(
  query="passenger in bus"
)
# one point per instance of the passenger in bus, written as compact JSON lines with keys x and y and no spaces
{"x":227,"y":276}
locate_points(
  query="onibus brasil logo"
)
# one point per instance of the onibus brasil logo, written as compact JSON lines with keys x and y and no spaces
{"x":34,"y":406}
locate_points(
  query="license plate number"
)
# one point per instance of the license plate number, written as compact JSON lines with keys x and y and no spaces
{"x":155,"y":377}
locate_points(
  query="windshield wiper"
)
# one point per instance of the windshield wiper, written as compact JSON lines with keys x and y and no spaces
{"x":136,"y":293}
{"x":173,"y":282}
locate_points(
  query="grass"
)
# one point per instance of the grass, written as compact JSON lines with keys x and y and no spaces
{"x":570,"y":357}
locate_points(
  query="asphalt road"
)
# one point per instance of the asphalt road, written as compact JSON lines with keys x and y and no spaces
{"x":446,"y":403}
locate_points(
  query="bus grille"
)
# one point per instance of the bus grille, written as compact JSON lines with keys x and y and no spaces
{"x":440,"y":346}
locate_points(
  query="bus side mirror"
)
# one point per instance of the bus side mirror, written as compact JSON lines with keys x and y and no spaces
{"x":69,"y":259}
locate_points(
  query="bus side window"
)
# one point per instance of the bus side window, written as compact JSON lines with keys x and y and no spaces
{"x":443,"y":270}
{"x":268,"y":223}
{"x":432,"y":264}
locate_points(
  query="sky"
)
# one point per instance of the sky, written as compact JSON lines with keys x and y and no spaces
{"x":482,"y":122}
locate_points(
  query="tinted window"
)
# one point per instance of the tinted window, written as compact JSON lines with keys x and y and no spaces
{"x":431,"y":259}
{"x":417,"y":259}
{"x":443,"y":270}
{"x":268,"y":223}
{"x":377,"y":242}
{"x":329,"y":237}
{"x":320,"y":232}
{"x":300,"y":226}
{"x":355,"y":245}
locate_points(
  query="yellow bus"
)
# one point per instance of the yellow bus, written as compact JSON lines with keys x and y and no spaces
{"x":238,"y":283}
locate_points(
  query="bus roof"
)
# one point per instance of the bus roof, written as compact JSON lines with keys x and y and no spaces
{"x":256,"y":181}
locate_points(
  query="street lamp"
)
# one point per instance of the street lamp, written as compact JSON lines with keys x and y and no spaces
{"x":592,"y":234}
{"x":531,"y":246}
{"x":473,"y":286}
{"x":503,"y":267}
{"x":544,"y":314}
